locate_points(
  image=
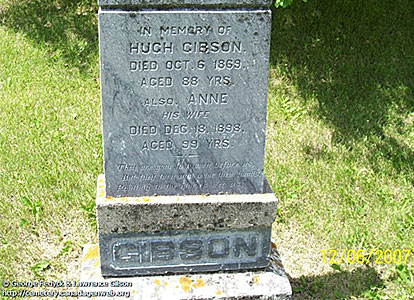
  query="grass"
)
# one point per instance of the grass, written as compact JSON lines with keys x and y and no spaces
{"x":340,"y":148}
{"x":340,"y":141}
{"x":50,"y":143}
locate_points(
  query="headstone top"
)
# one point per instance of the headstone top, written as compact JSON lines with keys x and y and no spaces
{"x":184,"y":97}
{"x":184,"y":3}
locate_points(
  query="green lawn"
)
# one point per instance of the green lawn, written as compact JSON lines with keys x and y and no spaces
{"x":340,"y":141}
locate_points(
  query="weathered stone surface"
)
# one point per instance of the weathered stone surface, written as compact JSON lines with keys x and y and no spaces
{"x":178,"y":251}
{"x":133,"y":230}
{"x":270,"y":283}
{"x":184,"y":3}
{"x":161,"y":213}
{"x":184,"y":101}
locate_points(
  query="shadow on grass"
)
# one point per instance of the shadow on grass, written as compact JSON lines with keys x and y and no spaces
{"x":354,"y":57}
{"x":66,"y":28}
{"x":356,"y":60}
{"x":337,"y":285}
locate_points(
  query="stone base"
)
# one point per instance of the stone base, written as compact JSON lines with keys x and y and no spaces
{"x":190,"y":212}
{"x":175,"y":234}
{"x":270,"y":283}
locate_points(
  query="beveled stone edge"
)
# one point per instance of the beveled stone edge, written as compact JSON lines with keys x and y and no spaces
{"x":182,"y":4}
{"x":101,"y":199}
{"x":161,"y":213}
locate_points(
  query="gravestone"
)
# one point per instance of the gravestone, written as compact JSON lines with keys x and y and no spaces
{"x":184,"y":101}
{"x":184,"y":94}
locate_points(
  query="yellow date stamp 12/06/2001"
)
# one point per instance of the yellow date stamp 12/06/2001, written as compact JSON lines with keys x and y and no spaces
{"x":361,"y":256}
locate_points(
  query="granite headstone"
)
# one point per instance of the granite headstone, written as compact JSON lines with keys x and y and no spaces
{"x":184,"y":98}
{"x":184,"y":95}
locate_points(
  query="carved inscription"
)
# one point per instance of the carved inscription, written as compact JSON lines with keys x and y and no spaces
{"x":191,"y":90}
{"x":194,"y":99}
{"x":186,"y":248}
